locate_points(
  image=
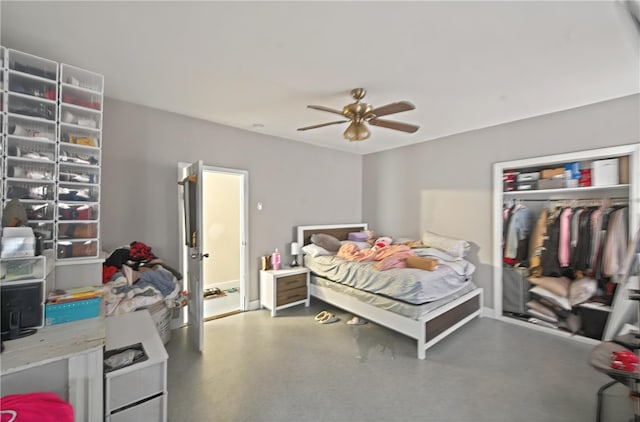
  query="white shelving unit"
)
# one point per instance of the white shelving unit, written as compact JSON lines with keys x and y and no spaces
{"x":50,"y":150}
{"x":79,"y":157}
{"x":621,"y":306}
{"x":29,"y":163}
{"x":3,"y":124}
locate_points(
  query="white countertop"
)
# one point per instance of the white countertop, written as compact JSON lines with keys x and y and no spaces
{"x":52,"y":343}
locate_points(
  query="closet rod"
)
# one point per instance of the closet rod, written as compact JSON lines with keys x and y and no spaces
{"x":619,"y":198}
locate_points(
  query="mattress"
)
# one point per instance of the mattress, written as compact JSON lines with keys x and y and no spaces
{"x":411,"y":285}
{"x":406,"y":309}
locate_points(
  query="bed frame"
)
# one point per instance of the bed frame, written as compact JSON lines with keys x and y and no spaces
{"x":427,"y":330}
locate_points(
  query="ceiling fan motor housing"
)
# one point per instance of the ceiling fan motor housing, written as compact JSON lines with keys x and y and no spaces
{"x":357,"y":111}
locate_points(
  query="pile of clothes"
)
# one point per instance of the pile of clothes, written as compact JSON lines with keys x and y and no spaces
{"x":135,"y":278}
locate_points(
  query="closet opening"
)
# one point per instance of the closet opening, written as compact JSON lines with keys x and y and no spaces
{"x":562,"y":228}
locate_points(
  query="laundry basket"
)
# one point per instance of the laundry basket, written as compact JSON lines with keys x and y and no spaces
{"x":161,"y":316}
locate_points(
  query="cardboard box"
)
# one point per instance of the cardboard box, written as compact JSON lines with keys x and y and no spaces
{"x":551,"y":173}
{"x":18,"y":242}
{"x":423,"y":263}
{"x":557,"y":183}
{"x":624,"y":169}
{"x":605,"y":172}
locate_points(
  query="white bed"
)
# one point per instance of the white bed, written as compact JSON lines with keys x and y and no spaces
{"x":427,"y":326}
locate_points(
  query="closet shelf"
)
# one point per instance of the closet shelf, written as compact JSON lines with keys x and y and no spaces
{"x":551,"y":194}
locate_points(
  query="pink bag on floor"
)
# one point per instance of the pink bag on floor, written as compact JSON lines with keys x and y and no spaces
{"x":35,"y":407}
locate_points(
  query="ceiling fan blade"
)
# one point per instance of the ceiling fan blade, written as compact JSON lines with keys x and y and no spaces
{"x":323,"y":108}
{"x":405,"y":127}
{"x":323,"y":124}
{"x":393,"y":108}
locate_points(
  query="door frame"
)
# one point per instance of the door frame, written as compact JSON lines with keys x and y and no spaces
{"x":183,"y":252}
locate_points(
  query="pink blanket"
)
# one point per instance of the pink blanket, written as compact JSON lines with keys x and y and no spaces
{"x":394,"y":256}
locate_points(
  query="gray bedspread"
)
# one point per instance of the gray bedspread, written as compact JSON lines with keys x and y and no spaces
{"x":410,"y":285}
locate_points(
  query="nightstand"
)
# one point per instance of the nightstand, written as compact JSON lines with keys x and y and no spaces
{"x":280,"y":289}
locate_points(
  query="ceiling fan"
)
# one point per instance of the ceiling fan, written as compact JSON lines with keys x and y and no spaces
{"x":633,"y":8}
{"x":359,"y":114}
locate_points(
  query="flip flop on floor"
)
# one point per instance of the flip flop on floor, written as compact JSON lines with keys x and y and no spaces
{"x":356,"y":321}
{"x":320,"y":315}
{"x":329,"y":319}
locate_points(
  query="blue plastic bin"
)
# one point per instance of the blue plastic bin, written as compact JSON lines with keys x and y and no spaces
{"x":58,"y":313}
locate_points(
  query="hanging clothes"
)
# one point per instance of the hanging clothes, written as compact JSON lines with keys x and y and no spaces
{"x":615,"y":244}
{"x":580,"y":261}
{"x":536,"y":243}
{"x":549,"y":257}
{"x":564,"y":239}
{"x":516,"y":246}
{"x":575,"y":233}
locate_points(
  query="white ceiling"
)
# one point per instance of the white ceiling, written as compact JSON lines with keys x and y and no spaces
{"x":256,"y":65}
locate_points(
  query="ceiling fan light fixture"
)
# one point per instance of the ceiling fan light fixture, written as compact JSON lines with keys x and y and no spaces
{"x":356,"y":132}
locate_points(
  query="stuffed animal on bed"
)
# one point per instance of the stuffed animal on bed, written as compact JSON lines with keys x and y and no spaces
{"x":381,"y":242}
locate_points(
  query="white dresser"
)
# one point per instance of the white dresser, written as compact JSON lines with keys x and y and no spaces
{"x":137,"y":392}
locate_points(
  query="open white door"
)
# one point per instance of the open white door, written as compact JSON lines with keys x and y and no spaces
{"x":192,"y":182}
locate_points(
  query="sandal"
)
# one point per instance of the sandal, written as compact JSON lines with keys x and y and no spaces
{"x":320,"y":315}
{"x":214,"y":291}
{"x":329,"y":319}
{"x":356,"y":321}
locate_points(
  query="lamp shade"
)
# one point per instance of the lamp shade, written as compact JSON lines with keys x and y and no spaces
{"x":295,"y":248}
{"x":356,"y":131}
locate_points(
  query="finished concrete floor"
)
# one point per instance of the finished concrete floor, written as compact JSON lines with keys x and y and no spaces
{"x":291,"y":368}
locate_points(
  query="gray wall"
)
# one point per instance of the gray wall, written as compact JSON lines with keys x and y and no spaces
{"x":445,"y":185}
{"x":297,"y":183}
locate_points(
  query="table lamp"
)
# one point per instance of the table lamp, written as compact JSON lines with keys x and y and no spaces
{"x":295,"y":251}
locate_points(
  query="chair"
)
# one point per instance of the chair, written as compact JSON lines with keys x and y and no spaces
{"x":600,"y":357}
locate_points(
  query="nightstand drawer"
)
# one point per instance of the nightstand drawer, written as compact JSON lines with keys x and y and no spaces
{"x":291,"y":295}
{"x":291,"y":282}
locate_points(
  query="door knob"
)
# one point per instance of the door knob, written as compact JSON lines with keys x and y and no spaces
{"x":198,"y":255}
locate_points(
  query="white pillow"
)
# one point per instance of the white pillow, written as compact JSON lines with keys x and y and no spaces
{"x":315,"y":250}
{"x":433,"y":252}
{"x":360,"y":245}
{"x":454,"y":247}
{"x":581,"y":290}
{"x":560,"y":301}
